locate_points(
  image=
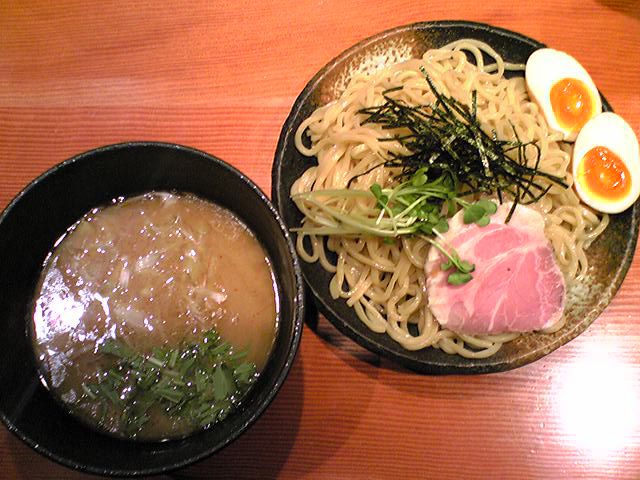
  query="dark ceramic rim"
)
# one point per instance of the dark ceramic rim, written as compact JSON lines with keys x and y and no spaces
{"x":320,"y":292}
{"x":298,"y":317}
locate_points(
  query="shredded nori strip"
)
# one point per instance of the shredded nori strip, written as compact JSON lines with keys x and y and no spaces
{"x":446,"y":137}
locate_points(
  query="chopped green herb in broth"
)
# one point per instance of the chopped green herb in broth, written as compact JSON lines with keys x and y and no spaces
{"x":197,"y":383}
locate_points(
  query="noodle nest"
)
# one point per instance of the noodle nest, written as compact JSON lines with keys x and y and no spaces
{"x":384,"y":282}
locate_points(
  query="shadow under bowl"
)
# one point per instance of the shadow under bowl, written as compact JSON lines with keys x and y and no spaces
{"x":42,"y":212}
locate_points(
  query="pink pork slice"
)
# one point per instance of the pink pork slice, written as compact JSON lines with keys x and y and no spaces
{"x":517,"y":285}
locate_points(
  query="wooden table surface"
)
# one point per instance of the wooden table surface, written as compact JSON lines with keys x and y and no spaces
{"x":222,"y":77}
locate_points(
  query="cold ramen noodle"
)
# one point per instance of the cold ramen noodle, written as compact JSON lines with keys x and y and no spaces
{"x":147,"y":323}
{"x":448,"y":202}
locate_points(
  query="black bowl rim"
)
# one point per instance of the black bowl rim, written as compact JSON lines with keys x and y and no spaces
{"x":280,"y":200}
{"x":298,"y":317}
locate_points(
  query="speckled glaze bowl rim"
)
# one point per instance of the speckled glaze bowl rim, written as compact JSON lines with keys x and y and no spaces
{"x":320,"y":292}
{"x":297,"y":320}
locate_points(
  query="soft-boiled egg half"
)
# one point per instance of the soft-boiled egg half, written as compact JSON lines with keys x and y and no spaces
{"x":606,"y":164}
{"x":563,"y":89}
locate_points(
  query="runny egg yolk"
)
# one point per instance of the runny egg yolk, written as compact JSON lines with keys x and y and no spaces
{"x":604,"y":175}
{"x":571,"y":103}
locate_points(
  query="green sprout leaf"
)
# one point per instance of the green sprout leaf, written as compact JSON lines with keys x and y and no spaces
{"x":382,"y":199}
{"x":463,"y":268}
{"x":419,"y":178}
{"x":478,"y":212}
{"x":489,"y":207}
{"x":458,"y":278}
{"x":442,"y":226}
{"x":473,"y":213}
{"x":483,"y":222}
{"x":466,"y":267}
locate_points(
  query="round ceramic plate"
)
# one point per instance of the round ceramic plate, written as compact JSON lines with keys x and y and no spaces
{"x":610,"y":256}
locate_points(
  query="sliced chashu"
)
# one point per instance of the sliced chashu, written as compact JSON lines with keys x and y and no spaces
{"x":517,"y":285}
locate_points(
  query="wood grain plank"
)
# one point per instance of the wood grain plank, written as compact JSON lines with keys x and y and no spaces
{"x":221,"y":77}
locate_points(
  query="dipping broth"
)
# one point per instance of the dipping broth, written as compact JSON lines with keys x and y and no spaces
{"x":128,"y":311}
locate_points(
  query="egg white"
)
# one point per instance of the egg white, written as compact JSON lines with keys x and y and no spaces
{"x":614,"y":133}
{"x":544,"y":68}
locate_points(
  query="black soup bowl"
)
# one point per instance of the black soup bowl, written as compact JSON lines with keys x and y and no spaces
{"x":42,"y":212}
